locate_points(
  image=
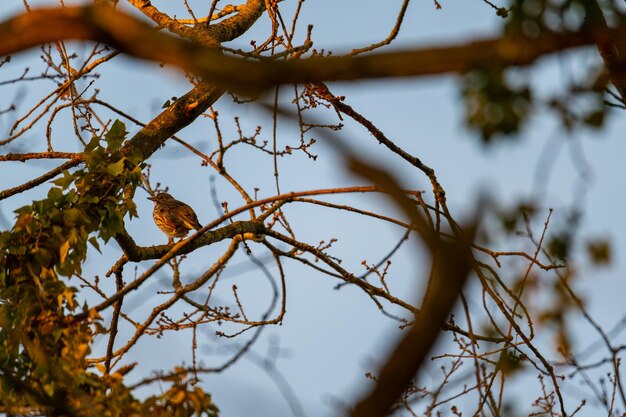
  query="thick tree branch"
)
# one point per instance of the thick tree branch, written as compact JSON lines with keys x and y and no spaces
{"x":187,"y":108}
{"x":136,"y":38}
{"x":407,"y":357}
{"x":451,"y":265}
{"x":162,"y":19}
{"x":136,"y":253}
{"x":176,"y":117}
{"x":237,"y":25}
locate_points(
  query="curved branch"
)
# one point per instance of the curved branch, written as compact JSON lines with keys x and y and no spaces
{"x":22,"y":157}
{"x":136,"y":253}
{"x":162,"y":19}
{"x":205,"y":236}
{"x":156,"y":311}
{"x":235,"y":26}
{"x":392,"y":35}
{"x":40,"y":180}
{"x":179,"y":115}
{"x":452,"y":263}
{"x":135,"y":38}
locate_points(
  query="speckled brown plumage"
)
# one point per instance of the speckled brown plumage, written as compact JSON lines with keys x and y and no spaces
{"x":173,"y":217}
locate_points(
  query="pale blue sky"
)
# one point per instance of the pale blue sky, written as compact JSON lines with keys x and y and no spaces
{"x":335,"y":337}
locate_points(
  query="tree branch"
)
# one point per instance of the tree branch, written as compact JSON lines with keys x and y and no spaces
{"x":135,"y":38}
{"x":452,"y":262}
{"x":613,"y":53}
{"x":40,"y":180}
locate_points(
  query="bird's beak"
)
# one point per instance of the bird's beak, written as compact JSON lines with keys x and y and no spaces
{"x":152,"y":198}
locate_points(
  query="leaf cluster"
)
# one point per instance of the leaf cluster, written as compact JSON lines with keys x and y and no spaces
{"x":494,"y":106}
{"x":42,"y":350}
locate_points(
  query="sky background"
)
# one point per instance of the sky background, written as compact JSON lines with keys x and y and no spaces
{"x":330,"y":338}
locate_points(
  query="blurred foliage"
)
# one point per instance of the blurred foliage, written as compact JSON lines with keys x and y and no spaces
{"x":42,"y":349}
{"x":493,"y":105}
{"x":509,"y":362}
{"x":182,"y":399}
{"x":561,"y":242}
{"x":555,"y":313}
{"x":531,"y":17}
{"x":583,"y":105}
{"x":599,"y":251}
{"x":559,"y":246}
{"x":512,"y":219}
{"x":497,"y":105}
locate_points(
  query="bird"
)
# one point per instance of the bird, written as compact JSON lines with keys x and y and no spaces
{"x":173,"y":217}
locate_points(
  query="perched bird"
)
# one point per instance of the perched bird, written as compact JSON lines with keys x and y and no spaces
{"x":173,"y":217}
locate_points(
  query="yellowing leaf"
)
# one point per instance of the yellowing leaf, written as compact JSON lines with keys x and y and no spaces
{"x":178,"y":397}
{"x":63,"y":251}
{"x":47,"y":273}
{"x":69,"y":296}
{"x":94,"y":315}
{"x":24,"y":219}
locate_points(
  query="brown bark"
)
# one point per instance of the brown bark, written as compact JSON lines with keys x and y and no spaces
{"x":135,"y":38}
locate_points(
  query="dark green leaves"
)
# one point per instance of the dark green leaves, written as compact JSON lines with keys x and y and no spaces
{"x":512,"y":219}
{"x":115,"y":168}
{"x":559,"y":246}
{"x":93,"y":144}
{"x":65,"y":180}
{"x":599,"y":251}
{"x":115,"y":136}
{"x":509,"y":362}
{"x":493,"y":106}
{"x":48,"y":241}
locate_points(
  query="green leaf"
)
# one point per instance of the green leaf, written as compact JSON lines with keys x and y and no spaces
{"x":65,"y":181}
{"x":55,"y":194}
{"x":559,"y":246}
{"x":509,"y":362}
{"x":115,"y":168}
{"x":93,"y":144}
{"x":90,"y":199}
{"x":111,"y":224}
{"x":94,"y":243}
{"x":23,"y":209}
{"x":116,"y":135}
{"x":131,"y":208}
{"x":70,"y":216}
